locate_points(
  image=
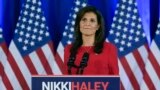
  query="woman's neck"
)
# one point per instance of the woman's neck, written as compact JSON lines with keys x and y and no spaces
{"x":88,"y":40}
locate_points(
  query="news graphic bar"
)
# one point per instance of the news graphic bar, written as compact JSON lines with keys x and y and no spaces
{"x":75,"y":82}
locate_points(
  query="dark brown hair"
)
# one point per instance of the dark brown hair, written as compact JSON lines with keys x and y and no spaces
{"x":99,"y":36}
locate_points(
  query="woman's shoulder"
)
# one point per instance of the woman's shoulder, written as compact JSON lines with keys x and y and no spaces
{"x":68,"y":46}
{"x":109,"y":45}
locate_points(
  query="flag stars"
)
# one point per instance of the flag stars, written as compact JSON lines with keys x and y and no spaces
{"x":0,"y":35}
{"x":116,"y":40}
{"x":132,"y":24}
{"x":122,"y":42}
{"x":77,"y":2}
{"x":26,"y":41}
{"x":17,"y":25}
{"x":73,"y":22}
{"x":119,"y":27}
{"x":126,"y":22}
{"x":118,"y":5}
{"x":41,"y":32}
{"x":114,"y":19}
{"x":125,"y":29}
{"x":131,"y":31}
{"x":121,"y":49}
{"x":124,"y":1}
{"x":43,"y":19}
{"x":22,"y":26}
{"x":157,"y":32}
{"x":76,"y":9}
{"x":47,"y":27}
{"x":70,"y":36}
{"x":25,"y":13}
{"x":37,"y":17}
{"x":33,"y":8}
{"x":117,"y":34}
{"x":24,"y":48}
{"x":64,"y":33}
{"x":139,"y":26}
{"x":31,"y":14}
{"x":74,"y":16}
{"x":33,"y":37}
{"x":26,"y":6}
{"x":29,"y":28}
{"x":30,"y":21}
{"x":16,"y":31}
{"x":27,"y":35}
{"x":39,"y":38}
{"x":42,"y":25}
{"x":113,"y":25}
{"x":69,"y":42}
{"x":21,"y":33}
{"x":139,"y":19}
{"x":135,"y":4}
{"x":130,"y":38}
{"x":134,"y":17}
{"x":47,"y":34}
{"x":129,"y":44}
{"x":121,"y":13}
{"x":32,"y":43}
{"x":138,"y":32}
{"x":36,"y":23}
{"x":68,"y":21}
{"x":123,"y":7}
{"x":111,"y":31}
{"x":129,"y":8}
{"x":72,"y":29}
{"x":136,"y":39}
{"x":84,"y":4}
{"x":120,"y":20}
{"x":24,"y":19}
{"x":39,"y":3}
{"x":33,"y":1}
{"x":19,"y":39}
{"x":159,"y":25}
{"x":116,"y":12}
{"x":19,"y":18}
{"x":124,"y":36}
{"x":135,"y":11}
{"x":66,"y":27}
{"x":128,"y":15}
{"x":32,"y":28}
{"x":38,"y":10}
{"x":35,"y":30}
{"x":143,"y":35}
{"x":130,"y":2}
{"x":0,"y":30}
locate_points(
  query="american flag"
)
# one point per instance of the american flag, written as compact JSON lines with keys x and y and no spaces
{"x":31,"y":49}
{"x":3,"y":59}
{"x":127,"y":34}
{"x":69,"y":28}
{"x":153,"y":65}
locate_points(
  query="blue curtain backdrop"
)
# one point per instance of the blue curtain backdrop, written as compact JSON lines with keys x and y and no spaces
{"x":57,"y":13}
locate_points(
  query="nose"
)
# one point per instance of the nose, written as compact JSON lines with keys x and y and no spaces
{"x":87,"y":23}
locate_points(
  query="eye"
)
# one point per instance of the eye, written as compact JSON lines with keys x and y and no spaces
{"x":93,"y":20}
{"x":83,"y":19}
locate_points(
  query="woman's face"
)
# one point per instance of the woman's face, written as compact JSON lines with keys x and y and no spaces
{"x":89,"y":24}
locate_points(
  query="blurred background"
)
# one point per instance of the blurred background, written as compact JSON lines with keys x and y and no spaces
{"x":139,"y":65}
{"x":57,"y":12}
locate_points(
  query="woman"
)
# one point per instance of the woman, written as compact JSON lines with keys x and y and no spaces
{"x":90,"y":54}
